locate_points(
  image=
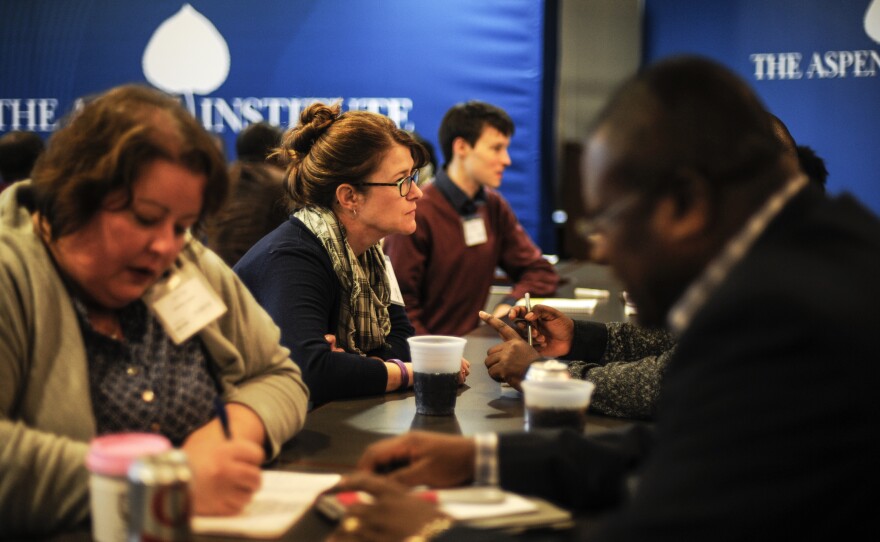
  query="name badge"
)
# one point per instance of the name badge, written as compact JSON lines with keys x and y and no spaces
{"x":474,"y":231}
{"x":184,"y":303}
{"x":396,"y":294}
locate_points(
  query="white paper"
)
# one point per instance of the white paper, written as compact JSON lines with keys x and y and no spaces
{"x":512,"y":504}
{"x":591,"y":293}
{"x":282,"y":499}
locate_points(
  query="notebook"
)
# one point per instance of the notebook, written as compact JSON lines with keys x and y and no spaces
{"x":566,"y":305}
{"x":282,"y":499}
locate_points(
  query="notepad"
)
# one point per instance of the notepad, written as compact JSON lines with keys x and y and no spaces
{"x":512,"y":504}
{"x":565,"y":305}
{"x":282,"y":499}
{"x":591,"y":293}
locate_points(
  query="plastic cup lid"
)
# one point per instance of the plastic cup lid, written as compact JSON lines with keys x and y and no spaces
{"x":111,"y":454}
{"x":436,"y":353}
{"x":557,"y":393}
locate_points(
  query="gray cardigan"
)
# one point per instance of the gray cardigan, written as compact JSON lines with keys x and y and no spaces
{"x":46,"y":418}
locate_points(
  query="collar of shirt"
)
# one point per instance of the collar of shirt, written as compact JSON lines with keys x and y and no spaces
{"x":134,"y":320}
{"x":695,"y":296}
{"x":462,"y":204}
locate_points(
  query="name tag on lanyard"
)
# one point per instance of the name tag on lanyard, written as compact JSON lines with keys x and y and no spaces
{"x":396,"y":294}
{"x":184,"y":303}
{"x":474,"y":231}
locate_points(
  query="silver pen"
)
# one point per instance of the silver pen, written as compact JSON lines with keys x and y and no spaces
{"x":528,"y":310}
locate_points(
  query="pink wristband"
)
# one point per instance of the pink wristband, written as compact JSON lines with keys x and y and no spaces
{"x":404,"y":374}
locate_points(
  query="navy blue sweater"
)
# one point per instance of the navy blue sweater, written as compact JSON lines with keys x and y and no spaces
{"x":290,"y":274}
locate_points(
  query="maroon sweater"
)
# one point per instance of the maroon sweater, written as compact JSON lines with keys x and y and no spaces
{"x":446,"y":283}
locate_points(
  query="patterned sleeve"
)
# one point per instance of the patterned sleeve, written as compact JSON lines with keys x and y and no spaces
{"x":628,"y":376}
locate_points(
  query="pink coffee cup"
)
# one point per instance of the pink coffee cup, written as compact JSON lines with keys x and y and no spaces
{"x":108,"y":460}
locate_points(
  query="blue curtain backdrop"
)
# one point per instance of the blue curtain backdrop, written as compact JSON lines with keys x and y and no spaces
{"x":408,"y":59}
{"x":815,"y":63}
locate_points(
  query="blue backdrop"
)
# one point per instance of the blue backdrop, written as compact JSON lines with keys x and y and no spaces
{"x":237,"y":62}
{"x":815,"y":63}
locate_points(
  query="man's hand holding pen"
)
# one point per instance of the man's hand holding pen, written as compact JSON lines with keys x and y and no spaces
{"x":551,"y":333}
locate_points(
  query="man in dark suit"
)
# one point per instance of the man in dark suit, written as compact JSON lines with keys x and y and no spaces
{"x":767,"y":420}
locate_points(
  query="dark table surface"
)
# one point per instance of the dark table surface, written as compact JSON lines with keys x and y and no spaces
{"x":336,"y":434}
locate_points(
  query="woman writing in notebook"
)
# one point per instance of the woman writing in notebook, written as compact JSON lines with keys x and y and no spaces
{"x":84,"y":348}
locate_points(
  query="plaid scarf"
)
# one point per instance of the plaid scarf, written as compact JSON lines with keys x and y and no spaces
{"x":363,"y":321}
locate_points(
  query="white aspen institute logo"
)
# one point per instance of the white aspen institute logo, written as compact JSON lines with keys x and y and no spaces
{"x":186,"y":55}
{"x":872,"y":21}
{"x":836,"y":64}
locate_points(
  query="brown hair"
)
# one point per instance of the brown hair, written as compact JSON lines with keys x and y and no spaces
{"x":328,"y":148}
{"x":257,"y":206}
{"x":104,"y":146}
{"x":467,"y":121}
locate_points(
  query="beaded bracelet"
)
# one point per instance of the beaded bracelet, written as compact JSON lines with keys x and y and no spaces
{"x":404,"y":374}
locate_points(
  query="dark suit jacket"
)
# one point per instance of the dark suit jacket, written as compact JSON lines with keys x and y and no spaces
{"x":768,"y":416}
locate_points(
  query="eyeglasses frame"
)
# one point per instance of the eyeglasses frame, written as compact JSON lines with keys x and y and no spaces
{"x":413,"y":179}
{"x":595,"y":225}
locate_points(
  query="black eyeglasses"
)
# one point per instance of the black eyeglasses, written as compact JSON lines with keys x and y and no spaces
{"x":588,"y":227}
{"x":403,"y":185}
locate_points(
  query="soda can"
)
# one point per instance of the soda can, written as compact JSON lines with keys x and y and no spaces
{"x":159,"y":498}
{"x":547,"y":370}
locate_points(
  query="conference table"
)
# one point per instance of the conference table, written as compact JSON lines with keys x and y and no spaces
{"x":336,"y":433}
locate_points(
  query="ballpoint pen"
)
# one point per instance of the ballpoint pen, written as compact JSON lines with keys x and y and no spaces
{"x":528,"y":310}
{"x":220,"y":409}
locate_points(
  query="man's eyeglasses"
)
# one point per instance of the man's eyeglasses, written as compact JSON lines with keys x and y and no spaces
{"x":403,"y":185}
{"x":599,"y":223}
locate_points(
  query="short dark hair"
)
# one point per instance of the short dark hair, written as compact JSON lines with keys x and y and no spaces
{"x":256,"y":141}
{"x":467,"y":120}
{"x":812,"y":165}
{"x":429,"y":147}
{"x":18,"y":154}
{"x":328,"y":148}
{"x":103,"y":148}
{"x":783,"y":135}
{"x":689,"y":114}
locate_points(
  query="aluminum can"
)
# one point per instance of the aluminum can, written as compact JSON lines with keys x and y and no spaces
{"x":547,"y":370}
{"x":159,"y":498}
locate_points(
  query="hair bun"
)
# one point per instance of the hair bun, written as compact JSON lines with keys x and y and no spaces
{"x":313,"y":122}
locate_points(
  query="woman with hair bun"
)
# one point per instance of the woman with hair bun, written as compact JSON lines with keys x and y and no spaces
{"x":352,"y":179}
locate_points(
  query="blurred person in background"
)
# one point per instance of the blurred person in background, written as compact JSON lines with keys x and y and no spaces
{"x":257,"y":204}
{"x":466,"y":230}
{"x":624,"y":360}
{"x":18,"y":154}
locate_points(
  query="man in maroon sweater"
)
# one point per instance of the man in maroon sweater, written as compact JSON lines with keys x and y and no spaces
{"x":465,"y":229}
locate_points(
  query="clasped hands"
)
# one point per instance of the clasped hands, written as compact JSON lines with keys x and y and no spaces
{"x":552,"y":334}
